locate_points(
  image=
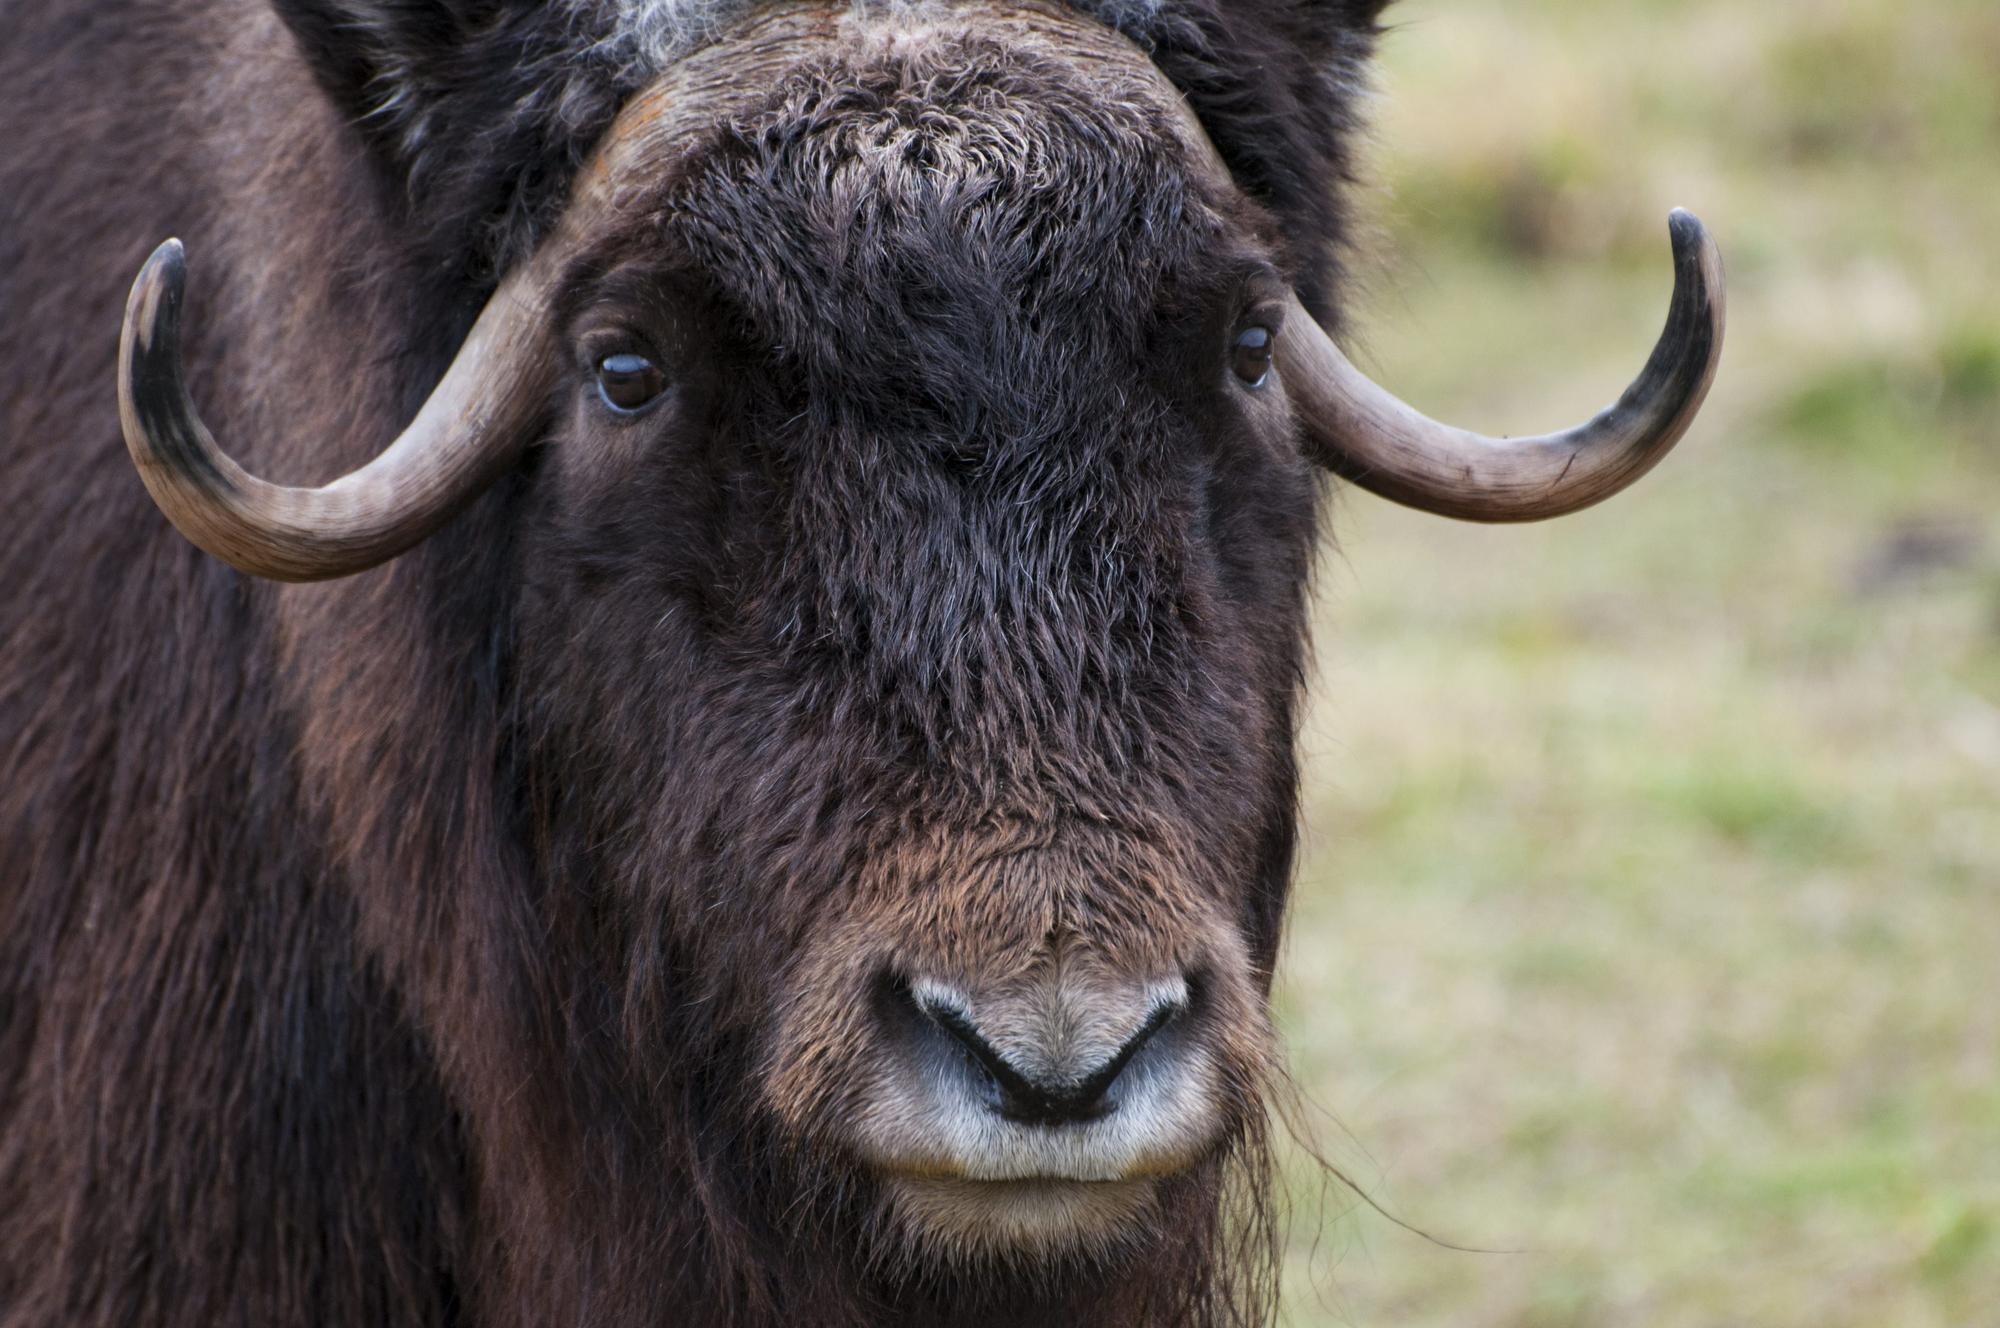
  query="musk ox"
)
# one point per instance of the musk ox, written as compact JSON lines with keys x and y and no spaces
{"x":777,"y":801}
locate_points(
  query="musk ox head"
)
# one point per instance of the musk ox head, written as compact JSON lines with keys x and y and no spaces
{"x":920,"y":435}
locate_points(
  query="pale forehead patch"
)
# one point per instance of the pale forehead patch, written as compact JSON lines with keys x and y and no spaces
{"x":644,"y":36}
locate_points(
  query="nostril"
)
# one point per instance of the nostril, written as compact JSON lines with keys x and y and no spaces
{"x":1163,"y":1013}
{"x":1032,"y":1099}
{"x":1015,"y":1087}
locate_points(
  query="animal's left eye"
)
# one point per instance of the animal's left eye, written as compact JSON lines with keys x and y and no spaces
{"x":629,"y":383}
{"x":1250,"y":355}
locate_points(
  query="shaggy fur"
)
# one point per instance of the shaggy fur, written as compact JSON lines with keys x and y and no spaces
{"x":471,"y":941}
{"x":482,"y":110}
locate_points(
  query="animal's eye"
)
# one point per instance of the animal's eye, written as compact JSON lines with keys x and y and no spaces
{"x":1250,"y":355}
{"x":629,"y":383}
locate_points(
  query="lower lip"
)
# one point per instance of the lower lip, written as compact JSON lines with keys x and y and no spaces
{"x":1044,"y":1212}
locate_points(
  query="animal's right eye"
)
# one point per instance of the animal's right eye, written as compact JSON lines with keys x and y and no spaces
{"x":629,"y":383}
{"x":1250,"y":355}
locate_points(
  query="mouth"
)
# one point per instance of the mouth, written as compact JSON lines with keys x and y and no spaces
{"x":1046,"y":1215}
{"x":1050,"y":1103}
{"x":1002,"y":1132}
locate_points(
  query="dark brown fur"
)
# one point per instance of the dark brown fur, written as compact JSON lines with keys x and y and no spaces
{"x":468,"y":941}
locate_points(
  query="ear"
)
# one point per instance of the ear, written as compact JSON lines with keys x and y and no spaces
{"x":476,"y":111}
{"x":1279,"y":84}
{"x":386,"y":64}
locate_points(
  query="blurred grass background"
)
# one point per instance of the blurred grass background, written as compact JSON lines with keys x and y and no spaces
{"x":1649,"y":927}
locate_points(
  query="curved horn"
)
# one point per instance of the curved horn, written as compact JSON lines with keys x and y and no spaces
{"x":476,"y":422}
{"x":1372,"y":438}
{"x":1369,"y":436}
{"x":469,"y":431}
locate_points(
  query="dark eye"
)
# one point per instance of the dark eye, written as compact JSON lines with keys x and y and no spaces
{"x":1250,"y":355}
{"x":629,"y":383}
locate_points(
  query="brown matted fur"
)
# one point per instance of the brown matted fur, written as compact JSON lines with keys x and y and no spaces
{"x":489,"y":938}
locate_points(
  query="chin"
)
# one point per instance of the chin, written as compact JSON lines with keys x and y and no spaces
{"x":1040,"y":1220}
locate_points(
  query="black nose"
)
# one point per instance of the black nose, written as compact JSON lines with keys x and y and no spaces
{"x":1035,"y":1094}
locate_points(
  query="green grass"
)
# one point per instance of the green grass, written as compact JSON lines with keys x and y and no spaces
{"x":1649,"y":927}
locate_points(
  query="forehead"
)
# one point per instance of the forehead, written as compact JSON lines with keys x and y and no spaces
{"x":922,"y":156}
{"x":889,"y":188}
{"x":650,"y":35}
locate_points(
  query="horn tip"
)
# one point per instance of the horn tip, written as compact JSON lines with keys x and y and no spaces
{"x":1697,"y":257}
{"x":168,"y":263}
{"x":156,"y":295}
{"x":1686,"y":228}
{"x":1692,"y":239}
